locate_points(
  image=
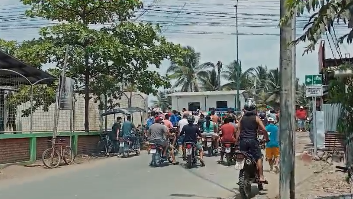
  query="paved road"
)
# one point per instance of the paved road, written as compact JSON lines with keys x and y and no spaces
{"x":125,"y":179}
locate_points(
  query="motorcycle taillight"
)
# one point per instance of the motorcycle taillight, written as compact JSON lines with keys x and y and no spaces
{"x":152,"y":146}
{"x":188,"y":146}
{"x":227,"y":145}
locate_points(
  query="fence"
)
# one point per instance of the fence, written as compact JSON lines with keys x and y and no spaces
{"x":27,"y":106}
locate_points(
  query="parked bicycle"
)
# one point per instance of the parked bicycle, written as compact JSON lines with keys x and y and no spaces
{"x":57,"y":152}
{"x":104,"y":145}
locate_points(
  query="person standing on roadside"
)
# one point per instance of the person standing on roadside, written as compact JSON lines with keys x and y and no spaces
{"x":114,"y":134}
{"x":301,"y":116}
{"x":272,"y":147}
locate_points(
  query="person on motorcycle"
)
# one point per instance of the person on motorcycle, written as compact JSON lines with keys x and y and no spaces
{"x":201,"y":121}
{"x":158,"y":134}
{"x":169,"y":125}
{"x":127,"y":130}
{"x":228,"y":132}
{"x":191,"y":131}
{"x":210,"y":128}
{"x":248,"y":126}
{"x":181,"y":124}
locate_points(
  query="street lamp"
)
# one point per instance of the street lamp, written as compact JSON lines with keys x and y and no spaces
{"x":237,"y":100}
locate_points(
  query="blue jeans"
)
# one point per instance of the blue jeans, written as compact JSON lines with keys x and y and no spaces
{"x":300,"y":123}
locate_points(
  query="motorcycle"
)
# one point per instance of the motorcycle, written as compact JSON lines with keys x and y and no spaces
{"x":248,"y":173}
{"x":157,"y":155}
{"x":190,"y":152}
{"x":127,"y":146}
{"x":228,"y":149}
{"x":208,"y":145}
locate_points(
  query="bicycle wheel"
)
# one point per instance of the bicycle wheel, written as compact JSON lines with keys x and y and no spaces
{"x":53,"y":156}
{"x":68,"y":155}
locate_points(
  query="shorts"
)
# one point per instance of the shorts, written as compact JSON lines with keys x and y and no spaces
{"x":209,"y":134}
{"x":181,"y":139}
{"x":272,"y":153}
{"x":300,"y":124}
{"x":163,"y":143}
{"x":252,"y":147}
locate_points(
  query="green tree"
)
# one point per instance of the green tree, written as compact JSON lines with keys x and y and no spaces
{"x":188,"y":72}
{"x":163,"y":101}
{"x":261,"y":76}
{"x":209,"y":82}
{"x":101,"y":59}
{"x":273,"y":87}
{"x":232,"y":72}
{"x":326,"y":15}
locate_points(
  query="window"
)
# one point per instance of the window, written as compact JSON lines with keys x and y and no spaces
{"x":193,"y":106}
{"x":221,"y":104}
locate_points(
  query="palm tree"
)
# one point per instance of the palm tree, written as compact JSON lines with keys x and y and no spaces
{"x":231,"y":73}
{"x":261,"y":75}
{"x":273,"y":87}
{"x":187,"y":74}
{"x":163,"y":101}
{"x":209,"y":82}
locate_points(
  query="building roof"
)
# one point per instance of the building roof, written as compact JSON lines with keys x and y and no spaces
{"x":32,"y":74}
{"x":205,"y":93}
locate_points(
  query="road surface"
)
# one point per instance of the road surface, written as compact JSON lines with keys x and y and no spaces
{"x":125,"y":179}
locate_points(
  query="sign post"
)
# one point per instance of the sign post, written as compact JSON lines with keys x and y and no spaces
{"x":314,"y":89}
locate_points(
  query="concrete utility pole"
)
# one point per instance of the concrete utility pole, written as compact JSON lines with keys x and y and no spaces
{"x":287,"y":109}
{"x":237,"y":99}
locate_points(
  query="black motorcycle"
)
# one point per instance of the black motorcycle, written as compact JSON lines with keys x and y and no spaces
{"x":190,"y":154}
{"x":248,"y":173}
{"x":127,"y":146}
{"x":158,"y":160}
{"x":209,"y":145}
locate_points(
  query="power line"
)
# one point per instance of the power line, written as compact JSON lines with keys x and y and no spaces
{"x":181,"y":9}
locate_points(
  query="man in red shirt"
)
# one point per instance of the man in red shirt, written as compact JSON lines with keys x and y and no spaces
{"x":228,"y":133}
{"x":300,"y":116}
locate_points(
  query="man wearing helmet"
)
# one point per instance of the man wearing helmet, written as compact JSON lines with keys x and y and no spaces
{"x":191,"y":132}
{"x":249,"y":124}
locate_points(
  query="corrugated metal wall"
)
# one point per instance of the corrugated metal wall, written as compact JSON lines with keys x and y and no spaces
{"x":331,"y":114}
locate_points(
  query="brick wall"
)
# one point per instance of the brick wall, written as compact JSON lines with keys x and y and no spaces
{"x":17,"y":149}
{"x":14,"y":150}
{"x":87,"y":144}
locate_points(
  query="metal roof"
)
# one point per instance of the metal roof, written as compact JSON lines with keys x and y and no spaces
{"x":205,"y":93}
{"x":32,"y":74}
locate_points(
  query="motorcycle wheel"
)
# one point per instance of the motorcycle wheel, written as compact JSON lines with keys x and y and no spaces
{"x":189,"y":162}
{"x":244,"y":185}
{"x":229,"y":159}
{"x":209,"y":151}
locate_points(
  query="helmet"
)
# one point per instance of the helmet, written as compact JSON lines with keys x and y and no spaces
{"x":250,"y":105}
{"x":262,"y":115}
{"x":191,"y":119}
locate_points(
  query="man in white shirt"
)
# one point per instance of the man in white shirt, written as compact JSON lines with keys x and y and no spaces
{"x":182,"y":123}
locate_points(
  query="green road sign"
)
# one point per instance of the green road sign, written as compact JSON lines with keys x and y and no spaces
{"x":313,"y":80}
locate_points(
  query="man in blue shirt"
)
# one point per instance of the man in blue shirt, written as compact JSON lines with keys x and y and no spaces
{"x":127,"y":129}
{"x":272,"y":146}
{"x":174,"y":119}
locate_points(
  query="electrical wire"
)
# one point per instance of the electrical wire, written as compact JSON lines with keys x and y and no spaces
{"x":180,"y":10}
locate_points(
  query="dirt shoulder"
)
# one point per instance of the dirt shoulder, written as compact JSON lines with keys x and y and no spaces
{"x":23,"y":172}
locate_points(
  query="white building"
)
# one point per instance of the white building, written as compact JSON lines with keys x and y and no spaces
{"x":205,"y":100}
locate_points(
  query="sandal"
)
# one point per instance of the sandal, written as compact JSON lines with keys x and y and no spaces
{"x":175,"y":163}
{"x":263,"y":181}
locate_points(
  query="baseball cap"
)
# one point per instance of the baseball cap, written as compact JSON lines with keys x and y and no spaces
{"x":270,"y":119}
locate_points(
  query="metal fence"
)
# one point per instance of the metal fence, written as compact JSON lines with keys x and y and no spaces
{"x":27,"y":107}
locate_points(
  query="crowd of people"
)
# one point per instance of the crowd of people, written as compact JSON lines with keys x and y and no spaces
{"x":241,"y":129}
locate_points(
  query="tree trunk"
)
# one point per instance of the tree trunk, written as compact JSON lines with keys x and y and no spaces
{"x":87,"y":97}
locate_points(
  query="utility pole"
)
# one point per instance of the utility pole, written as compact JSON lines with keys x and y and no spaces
{"x":237,"y":100}
{"x":287,"y":109}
